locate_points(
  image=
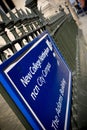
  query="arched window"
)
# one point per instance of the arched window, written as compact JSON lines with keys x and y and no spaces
{"x":7,"y":5}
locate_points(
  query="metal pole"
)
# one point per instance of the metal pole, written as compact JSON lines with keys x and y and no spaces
{"x":73,"y":12}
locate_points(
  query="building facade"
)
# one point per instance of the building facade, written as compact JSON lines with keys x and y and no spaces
{"x":50,"y":7}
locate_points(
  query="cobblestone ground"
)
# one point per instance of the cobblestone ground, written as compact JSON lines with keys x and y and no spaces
{"x":83,"y":26}
{"x":8,"y":120}
{"x":82,"y":84}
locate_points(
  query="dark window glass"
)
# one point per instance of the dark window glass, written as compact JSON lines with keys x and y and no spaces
{"x":9,"y":3}
{"x":3,"y":6}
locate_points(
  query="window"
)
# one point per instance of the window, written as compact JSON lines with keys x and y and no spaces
{"x":7,"y":5}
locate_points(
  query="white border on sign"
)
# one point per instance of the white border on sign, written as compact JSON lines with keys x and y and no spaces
{"x":68,"y":99}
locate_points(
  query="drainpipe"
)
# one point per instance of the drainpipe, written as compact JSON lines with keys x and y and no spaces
{"x":75,"y":16}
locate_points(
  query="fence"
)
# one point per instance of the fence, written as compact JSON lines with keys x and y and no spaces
{"x":28,"y":26}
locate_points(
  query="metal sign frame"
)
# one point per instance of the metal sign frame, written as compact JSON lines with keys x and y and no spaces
{"x":17,"y":98}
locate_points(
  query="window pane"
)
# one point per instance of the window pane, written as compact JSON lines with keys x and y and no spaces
{"x":10,"y":4}
{"x":3,"y":6}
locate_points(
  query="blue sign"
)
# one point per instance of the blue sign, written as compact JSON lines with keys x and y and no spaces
{"x":39,"y":82}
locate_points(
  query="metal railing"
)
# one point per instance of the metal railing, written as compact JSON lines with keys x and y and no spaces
{"x":28,"y":26}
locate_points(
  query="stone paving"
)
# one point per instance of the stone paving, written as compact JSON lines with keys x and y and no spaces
{"x":83,"y":25}
{"x":8,"y":120}
{"x":82,"y":78}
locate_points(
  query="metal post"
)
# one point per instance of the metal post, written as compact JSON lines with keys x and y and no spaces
{"x":73,"y":12}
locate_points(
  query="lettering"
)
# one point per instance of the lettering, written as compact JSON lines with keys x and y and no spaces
{"x":35,"y":67}
{"x":63,"y":83}
{"x":44,"y":54}
{"x":35,"y":92}
{"x":59,"y":106}
{"x":41,"y":80}
{"x":25,"y":80}
{"x":59,"y":103}
{"x":46,"y":70}
{"x":55,"y":123}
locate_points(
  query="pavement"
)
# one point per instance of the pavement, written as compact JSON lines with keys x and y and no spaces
{"x":83,"y":25}
{"x":82,"y":73}
{"x":80,"y":79}
{"x":8,"y":120}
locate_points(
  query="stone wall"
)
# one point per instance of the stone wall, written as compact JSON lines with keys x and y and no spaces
{"x":50,"y":8}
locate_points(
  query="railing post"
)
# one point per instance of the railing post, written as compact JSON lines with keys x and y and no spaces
{"x":25,"y":19}
{"x":15,"y":19}
{"x":2,"y":56}
{"x":75,"y":17}
{"x":3,"y":33}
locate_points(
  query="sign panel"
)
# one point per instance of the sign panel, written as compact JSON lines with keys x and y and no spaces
{"x":40,"y":84}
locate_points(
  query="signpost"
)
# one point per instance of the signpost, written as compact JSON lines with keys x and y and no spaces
{"x":39,"y":82}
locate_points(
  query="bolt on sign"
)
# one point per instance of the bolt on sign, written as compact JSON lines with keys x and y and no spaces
{"x":39,"y":82}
